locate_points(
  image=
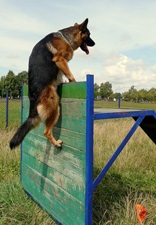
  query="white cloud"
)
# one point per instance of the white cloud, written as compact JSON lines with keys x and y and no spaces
{"x":123,"y":72}
{"x":117,"y":27}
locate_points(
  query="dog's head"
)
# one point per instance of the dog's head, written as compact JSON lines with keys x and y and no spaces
{"x":86,"y":40}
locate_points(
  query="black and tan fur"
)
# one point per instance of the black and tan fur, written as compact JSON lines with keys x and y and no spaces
{"x":47,"y":64}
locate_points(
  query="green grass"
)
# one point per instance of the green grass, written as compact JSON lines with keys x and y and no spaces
{"x":14,"y":113}
{"x":131,"y":180}
{"x":15,"y":207}
{"x":15,"y":109}
{"x":125,"y":105}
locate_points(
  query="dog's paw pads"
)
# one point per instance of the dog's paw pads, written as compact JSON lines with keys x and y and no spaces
{"x":59,"y":143}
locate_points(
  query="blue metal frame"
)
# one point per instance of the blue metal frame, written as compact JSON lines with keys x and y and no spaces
{"x":122,"y":114}
{"x":101,"y":115}
{"x":89,"y":148}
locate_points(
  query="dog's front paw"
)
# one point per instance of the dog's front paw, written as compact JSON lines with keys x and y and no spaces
{"x":59,"y":143}
{"x":72,"y":80}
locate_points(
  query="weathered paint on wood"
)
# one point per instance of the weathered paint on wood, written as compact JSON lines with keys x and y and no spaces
{"x":55,"y":177}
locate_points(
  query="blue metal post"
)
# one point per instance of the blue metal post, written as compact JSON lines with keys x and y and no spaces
{"x":7,"y":108}
{"x":89,"y":148}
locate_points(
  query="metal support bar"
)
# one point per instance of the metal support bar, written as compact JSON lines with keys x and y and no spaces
{"x":89,"y":148}
{"x":122,"y":114}
{"x":117,"y":152}
{"x":119,"y":100}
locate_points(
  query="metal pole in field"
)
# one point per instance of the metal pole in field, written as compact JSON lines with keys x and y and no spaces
{"x":119,"y":98}
{"x":7,"y":108}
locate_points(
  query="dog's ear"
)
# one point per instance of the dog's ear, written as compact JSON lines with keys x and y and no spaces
{"x":76,"y":24}
{"x":84,"y":24}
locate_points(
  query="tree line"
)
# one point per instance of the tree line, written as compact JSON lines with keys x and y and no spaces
{"x":13,"y":84}
{"x":104,"y":91}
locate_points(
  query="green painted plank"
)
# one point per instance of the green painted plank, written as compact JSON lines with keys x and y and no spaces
{"x":74,"y":187}
{"x":75,"y":107}
{"x":68,"y":90}
{"x":65,"y":122}
{"x":69,"y":149}
{"x":25,"y":90}
{"x":74,"y":124}
{"x":72,"y":116}
{"x":62,"y":171}
{"x":73,"y":90}
{"x":57,"y":161}
{"x":61,"y":203}
{"x":42,"y":198}
{"x":26,"y":102}
{"x":56,"y":191}
{"x":70,"y":138}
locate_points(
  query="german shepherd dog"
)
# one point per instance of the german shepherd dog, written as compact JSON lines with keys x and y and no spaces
{"x":47,"y":64}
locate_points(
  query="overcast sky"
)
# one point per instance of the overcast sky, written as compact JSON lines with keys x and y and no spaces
{"x":124,"y":32}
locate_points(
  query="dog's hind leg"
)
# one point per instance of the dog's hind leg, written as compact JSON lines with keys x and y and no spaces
{"x":48,"y":132}
{"x":49,"y":111}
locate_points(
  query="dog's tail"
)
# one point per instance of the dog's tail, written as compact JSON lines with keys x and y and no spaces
{"x":22,"y":132}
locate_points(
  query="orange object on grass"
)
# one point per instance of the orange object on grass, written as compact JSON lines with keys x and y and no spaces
{"x":141,"y":212}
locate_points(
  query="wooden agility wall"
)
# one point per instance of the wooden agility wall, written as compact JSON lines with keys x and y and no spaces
{"x":53,"y":177}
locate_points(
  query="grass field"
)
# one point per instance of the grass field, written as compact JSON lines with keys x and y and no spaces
{"x":15,"y":109}
{"x":131,"y":180}
{"x":13,"y":115}
{"x":125,"y":105}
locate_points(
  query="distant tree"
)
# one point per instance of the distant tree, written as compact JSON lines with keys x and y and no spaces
{"x":126,"y":96}
{"x":13,"y":83}
{"x":21,"y":78}
{"x":131,"y":94}
{"x":96,"y":90}
{"x":105,"y":90}
{"x":114,"y":95}
{"x":142,"y":95}
{"x":152,"y":94}
{"x":2,"y":83}
{"x":10,"y":83}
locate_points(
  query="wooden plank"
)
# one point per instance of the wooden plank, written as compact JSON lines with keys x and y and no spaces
{"x":68,"y":90}
{"x":25,"y":90}
{"x":26,"y":102}
{"x":75,"y":187}
{"x":68,"y":149}
{"x":60,"y":202}
{"x":57,"y":162}
{"x":55,"y":177}
{"x":73,"y":107}
{"x":75,"y":90}
{"x":72,"y":115}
